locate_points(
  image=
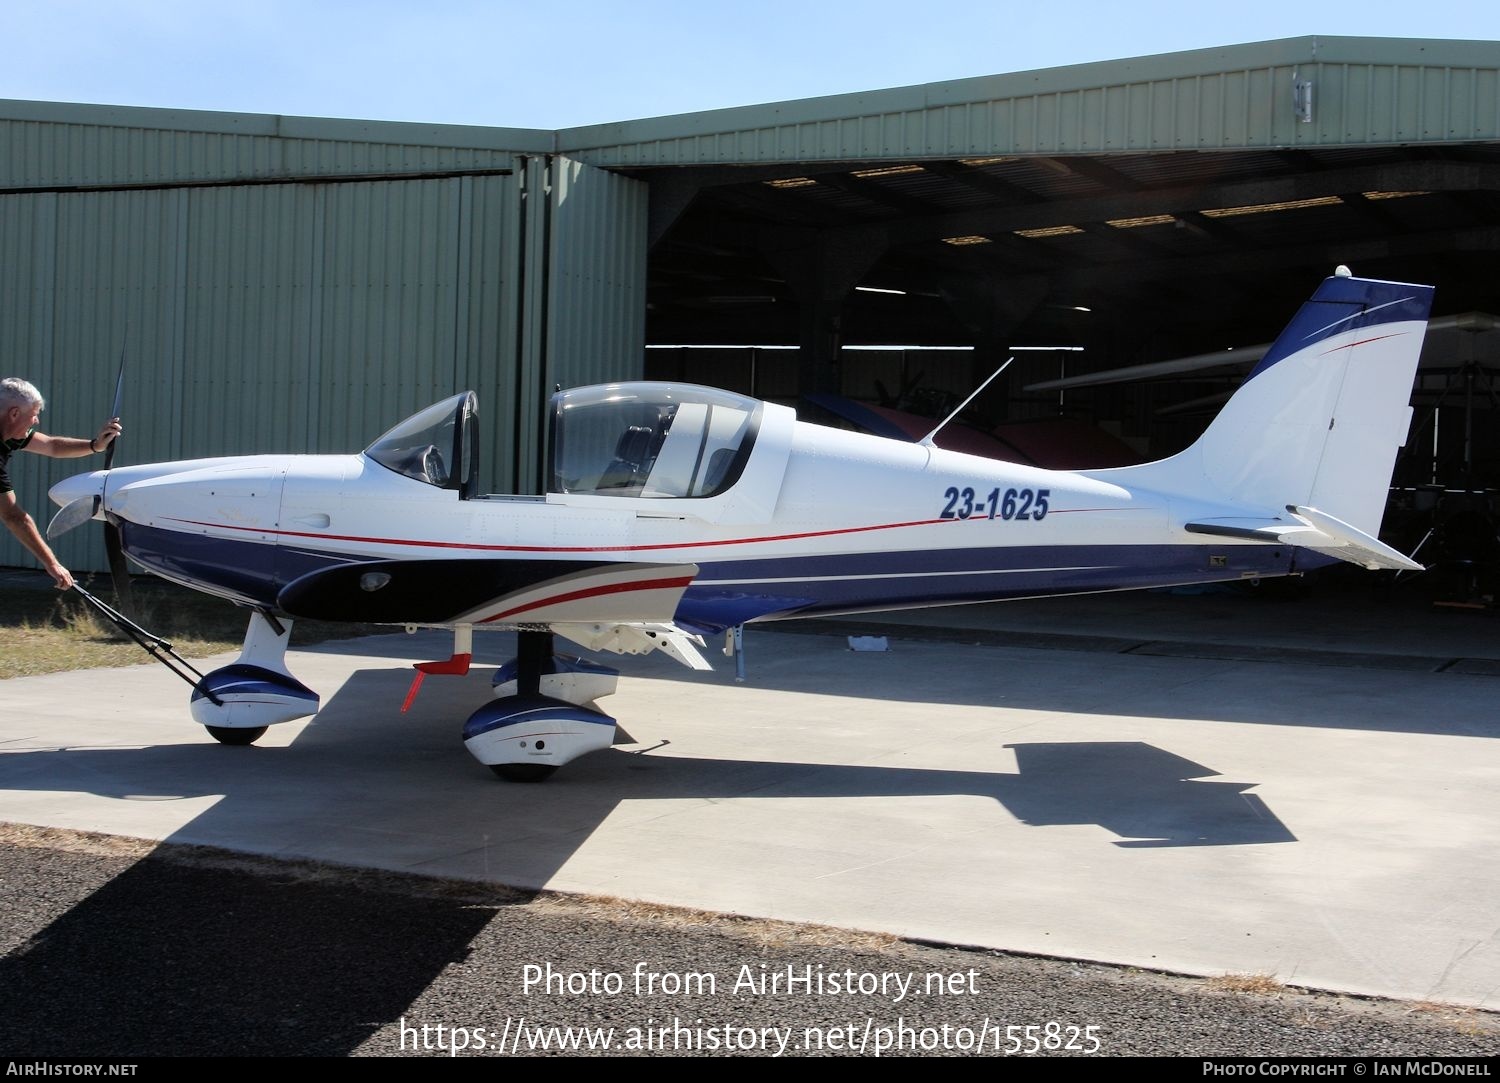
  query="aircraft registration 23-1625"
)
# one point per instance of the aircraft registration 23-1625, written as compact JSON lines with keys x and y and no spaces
{"x":677,"y":512}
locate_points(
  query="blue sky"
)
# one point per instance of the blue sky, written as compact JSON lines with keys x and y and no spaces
{"x":553,"y":65}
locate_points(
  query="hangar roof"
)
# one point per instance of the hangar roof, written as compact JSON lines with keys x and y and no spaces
{"x":1365,"y":91}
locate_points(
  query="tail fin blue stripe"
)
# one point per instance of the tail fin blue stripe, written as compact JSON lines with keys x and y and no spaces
{"x":1343,"y":304}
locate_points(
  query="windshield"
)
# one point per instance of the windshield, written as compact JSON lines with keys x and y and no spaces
{"x":651,"y":440}
{"x":437,"y":446}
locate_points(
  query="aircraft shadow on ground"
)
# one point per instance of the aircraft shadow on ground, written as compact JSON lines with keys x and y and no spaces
{"x":1147,"y":796}
{"x":1262,"y":692}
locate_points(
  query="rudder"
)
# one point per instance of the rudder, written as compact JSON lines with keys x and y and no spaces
{"x":1320,"y":419}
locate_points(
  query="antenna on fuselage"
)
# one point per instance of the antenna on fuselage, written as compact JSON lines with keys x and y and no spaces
{"x":926,"y":441}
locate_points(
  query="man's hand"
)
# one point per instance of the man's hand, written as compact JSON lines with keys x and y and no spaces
{"x":110,"y":430}
{"x":60,"y":575}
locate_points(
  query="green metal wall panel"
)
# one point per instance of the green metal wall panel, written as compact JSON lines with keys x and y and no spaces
{"x":583,"y":296}
{"x":487,"y":318}
{"x":258,"y":318}
{"x":528,"y":429}
{"x":1366,"y":91}
{"x":580,"y":297}
{"x":49,"y":145}
{"x":91,"y":284}
{"x":597,"y":291}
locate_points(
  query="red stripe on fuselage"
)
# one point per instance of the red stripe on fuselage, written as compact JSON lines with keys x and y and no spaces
{"x":563,"y":548}
{"x":423,"y":544}
{"x":594,"y":592}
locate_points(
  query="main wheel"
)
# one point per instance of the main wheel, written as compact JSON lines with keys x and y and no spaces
{"x":523,"y":772}
{"x":236,"y":735}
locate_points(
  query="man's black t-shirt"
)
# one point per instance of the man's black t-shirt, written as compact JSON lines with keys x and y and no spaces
{"x":6,"y":447}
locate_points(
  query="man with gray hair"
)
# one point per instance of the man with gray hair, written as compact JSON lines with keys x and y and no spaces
{"x":20,"y":406}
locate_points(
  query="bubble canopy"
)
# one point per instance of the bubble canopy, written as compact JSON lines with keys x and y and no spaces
{"x":437,"y":446}
{"x":651,"y":440}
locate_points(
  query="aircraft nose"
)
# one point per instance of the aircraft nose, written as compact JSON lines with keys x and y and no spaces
{"x":79,"y":498}
{"x":77,"y":487}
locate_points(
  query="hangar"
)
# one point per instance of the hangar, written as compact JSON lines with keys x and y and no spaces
{"x":283,"y":283}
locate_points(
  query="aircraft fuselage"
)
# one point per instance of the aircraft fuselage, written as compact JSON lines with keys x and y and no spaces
{"x":853,"y":522}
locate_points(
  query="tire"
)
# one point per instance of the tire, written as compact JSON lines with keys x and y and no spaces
{"x":234,"y":735}
{"x":523,"y":772}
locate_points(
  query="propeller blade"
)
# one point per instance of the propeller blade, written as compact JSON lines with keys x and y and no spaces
{"x":114,"y":411}
{"x":119,"y":571}
{"x":75,"y":514}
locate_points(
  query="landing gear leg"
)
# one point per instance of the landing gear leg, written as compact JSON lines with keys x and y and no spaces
{"x":533,"y":653}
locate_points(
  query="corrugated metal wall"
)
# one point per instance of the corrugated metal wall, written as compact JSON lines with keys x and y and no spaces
{"x":1367,"y":91}
{"x":583,"y":293}
{"x":596,"y":278}
{"x":311,"y":317}
{"x":45,"y":144}
{"x":597,"y":275}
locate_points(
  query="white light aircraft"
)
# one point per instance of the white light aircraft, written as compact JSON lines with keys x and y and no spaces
{"x":677,"y":512}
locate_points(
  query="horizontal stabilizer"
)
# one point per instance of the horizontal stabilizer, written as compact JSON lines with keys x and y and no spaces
{"x":1309,"y":528}
{"x":1368,"y":551}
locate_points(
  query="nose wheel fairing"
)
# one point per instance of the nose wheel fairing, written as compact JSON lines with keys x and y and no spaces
{"x":250,"y":697}
{"x":535,"y":730}
{"x":256,"y":690}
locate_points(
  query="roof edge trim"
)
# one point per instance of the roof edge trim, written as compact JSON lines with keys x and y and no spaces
{"x":393,"y":132}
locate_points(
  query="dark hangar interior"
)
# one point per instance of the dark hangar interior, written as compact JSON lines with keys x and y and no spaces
{"x":1135,"y":258}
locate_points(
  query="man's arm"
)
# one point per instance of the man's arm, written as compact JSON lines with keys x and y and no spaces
{"x":73,"y":447}
{"x":24,"y":528}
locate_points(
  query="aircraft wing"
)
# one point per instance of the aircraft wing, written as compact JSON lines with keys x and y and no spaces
{"x":496,"y":592}
{"x":1315,"y":530}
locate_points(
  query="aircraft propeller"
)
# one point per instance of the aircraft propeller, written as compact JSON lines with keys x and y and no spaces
{"x":85,"y":508}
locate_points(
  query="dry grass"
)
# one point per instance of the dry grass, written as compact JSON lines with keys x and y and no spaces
{"x":1464,"y":1020}
{"x":1251,"y":984}
{"x":45,"y":631}
{"x":73,"y":842}
{"x":762,"y":932}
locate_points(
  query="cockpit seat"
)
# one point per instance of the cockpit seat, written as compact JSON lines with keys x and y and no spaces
{"x":624,"y":471}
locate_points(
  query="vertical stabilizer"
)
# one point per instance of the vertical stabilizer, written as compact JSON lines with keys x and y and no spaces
{"x":1320,"y":419}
